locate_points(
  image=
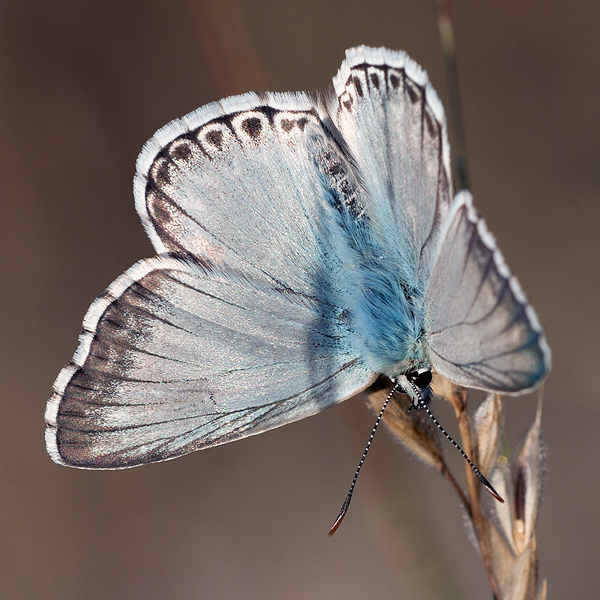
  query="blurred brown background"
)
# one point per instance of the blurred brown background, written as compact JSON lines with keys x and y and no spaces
{"x":82,"y":86}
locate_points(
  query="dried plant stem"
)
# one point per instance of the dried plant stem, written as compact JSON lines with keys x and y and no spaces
{"x":459,"y":151}
{"x":459,"y":396}
{"x":509,"y":555}
{"x":459,"y":402}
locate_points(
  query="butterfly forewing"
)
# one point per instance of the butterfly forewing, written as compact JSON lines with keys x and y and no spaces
{"x":175,"y":357}
{"x":394,"y":126}
{"x":237,"y":183}
{"x":482,"y":331}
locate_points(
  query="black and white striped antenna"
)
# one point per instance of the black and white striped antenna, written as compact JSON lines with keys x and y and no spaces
{"x":420,"y":406}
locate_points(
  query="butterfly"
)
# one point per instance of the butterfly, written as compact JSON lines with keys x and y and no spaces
{"x":303,"y":248}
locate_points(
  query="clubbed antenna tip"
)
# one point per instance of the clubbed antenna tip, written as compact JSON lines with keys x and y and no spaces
{"x":489,"y":487}
{"x":340,"y":517}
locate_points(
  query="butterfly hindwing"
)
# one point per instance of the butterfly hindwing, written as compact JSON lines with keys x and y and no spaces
{"x":175,"y":357}
{"x":481,"y":330}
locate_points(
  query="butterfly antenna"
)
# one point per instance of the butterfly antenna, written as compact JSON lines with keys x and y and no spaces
{"x":346,"y":504}
{"x":488,"y":486}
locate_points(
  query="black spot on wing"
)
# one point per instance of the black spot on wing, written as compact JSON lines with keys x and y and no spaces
{"x":358,"y":86}
{"x":181,"y":152}
{"x":287,"y":125}
{"x":412,"y":90}
{"x":162,"y":174}
{"x":253,"y":127}
{"x":215,"y":138}
{"x":433,"y":127}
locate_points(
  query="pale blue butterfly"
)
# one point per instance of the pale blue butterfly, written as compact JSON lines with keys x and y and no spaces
{"x":303,"y":249}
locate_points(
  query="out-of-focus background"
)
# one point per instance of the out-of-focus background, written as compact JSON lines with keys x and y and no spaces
{"x":82,"y":86}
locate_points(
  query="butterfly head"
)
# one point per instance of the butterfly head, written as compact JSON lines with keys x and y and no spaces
{"x":415,"y":384}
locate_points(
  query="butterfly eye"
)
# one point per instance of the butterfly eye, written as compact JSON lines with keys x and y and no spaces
{"x":420,"y":379}
{"x":423,"y":379}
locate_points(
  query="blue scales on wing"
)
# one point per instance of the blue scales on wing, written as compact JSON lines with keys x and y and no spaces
{"x":439,"y":294}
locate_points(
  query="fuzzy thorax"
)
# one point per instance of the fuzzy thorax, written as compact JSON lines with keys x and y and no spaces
{"x":389,"y":322}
